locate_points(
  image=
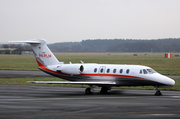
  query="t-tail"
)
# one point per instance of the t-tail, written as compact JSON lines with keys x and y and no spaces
{"x":43,"y":54}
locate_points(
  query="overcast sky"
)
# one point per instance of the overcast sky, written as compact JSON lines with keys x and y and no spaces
{"x":77,"y":20}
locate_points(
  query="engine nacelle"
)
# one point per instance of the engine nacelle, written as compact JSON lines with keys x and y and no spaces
{"x":72,"y":69}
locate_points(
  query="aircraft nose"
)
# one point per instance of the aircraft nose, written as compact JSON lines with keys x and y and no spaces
{"x":170,"y":81}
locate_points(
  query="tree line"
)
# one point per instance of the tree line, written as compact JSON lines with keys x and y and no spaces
{"x":119,"y":45}
{"x":109,"y":45}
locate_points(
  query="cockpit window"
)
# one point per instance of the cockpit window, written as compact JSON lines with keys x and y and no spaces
{"x":151,"y":71}
{"x":144,"y":71}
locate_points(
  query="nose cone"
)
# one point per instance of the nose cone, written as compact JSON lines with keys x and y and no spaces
{"x":170,"y":81}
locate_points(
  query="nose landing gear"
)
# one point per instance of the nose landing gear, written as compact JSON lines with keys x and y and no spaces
{"x":158,"y":92}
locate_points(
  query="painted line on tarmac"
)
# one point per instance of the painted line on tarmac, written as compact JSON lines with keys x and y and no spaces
{"x":175,"y":96}
{"x":155,"y":113}
{"x":84,"y":98}
{"x":65,"y":98}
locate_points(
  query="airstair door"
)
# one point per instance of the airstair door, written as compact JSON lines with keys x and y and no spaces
{"x":102,"y":70}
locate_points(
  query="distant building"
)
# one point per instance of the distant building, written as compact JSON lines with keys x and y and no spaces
{"x":5,"y":51}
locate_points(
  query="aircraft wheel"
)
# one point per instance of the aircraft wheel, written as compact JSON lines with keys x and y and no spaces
{"x":88,"y":91}
{"x":158,"y":92}
{"x":104,"y":89}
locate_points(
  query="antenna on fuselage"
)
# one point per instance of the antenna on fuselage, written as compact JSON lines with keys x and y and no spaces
{"x":82,"y":62}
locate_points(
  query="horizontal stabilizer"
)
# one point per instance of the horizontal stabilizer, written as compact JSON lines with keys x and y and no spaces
{"x":28,"y":41}
{"x":70,"y":82}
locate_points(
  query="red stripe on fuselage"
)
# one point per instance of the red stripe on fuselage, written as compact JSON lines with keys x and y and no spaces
{"x":41,"y":66}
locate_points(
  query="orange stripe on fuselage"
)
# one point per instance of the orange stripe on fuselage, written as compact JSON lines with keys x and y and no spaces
{"x":41,"y":66}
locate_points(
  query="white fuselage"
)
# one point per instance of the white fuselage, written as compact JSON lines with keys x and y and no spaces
{"x":123,"y":75}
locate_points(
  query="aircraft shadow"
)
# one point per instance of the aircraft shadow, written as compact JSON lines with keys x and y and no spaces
{"x":57,"y":94}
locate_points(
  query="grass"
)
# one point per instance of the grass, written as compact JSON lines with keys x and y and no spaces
{"x":22,"y":81}
{"x":156,"y":61}
{"x":18,"y":62}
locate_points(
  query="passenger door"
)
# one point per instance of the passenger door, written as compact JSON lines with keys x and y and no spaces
{"x":102,"y":70}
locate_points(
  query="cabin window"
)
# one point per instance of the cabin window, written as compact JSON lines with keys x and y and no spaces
{"x":144,"y":71}
{"x":108,"y":70}
{"x":121,"y":70}
{"x":81,"y":68}
{"x":127,"y":71}
{"x":95,"y":70}
{"x":140,"y":72}
{"x":114,"y":71}
{"x":101,"y":70}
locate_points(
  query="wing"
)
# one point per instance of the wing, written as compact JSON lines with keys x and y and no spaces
{"x":70,"y":82}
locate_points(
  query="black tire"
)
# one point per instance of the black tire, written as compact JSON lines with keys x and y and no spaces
{"x":104,"y":89}
{"x":158,"y":92}
{"x":88,"y":91}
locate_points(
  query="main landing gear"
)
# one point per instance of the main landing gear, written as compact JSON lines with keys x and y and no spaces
{"x":105,"y":89}
{"x":158,"y":92}
{"x":90,"y":90}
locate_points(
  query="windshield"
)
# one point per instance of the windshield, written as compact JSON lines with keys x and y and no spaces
{"x":151,"y":71}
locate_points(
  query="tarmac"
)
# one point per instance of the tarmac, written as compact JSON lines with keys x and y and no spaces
{"x":22,"y":101}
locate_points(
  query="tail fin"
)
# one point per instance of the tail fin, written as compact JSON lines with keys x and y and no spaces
{"x":42,"y":52}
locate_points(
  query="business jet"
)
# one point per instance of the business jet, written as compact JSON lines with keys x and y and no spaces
{"x":92,"y":74}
